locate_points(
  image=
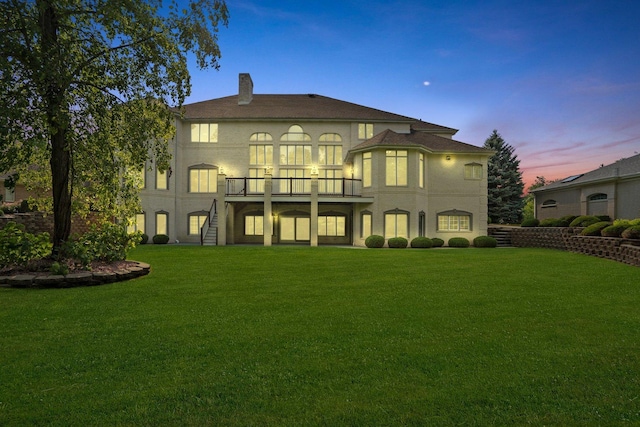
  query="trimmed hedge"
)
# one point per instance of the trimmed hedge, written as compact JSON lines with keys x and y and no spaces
{"x":485,"y":242}
{"x":398,"y":242}
{"x":144,"y":239}
{"x":614,"y":230}
{"x":632,"y":232}
{"x":160,"y":239}
{"x":374,"y":241}
{"x":584,"y":221}
{"x":458,"y":242}
{"x":437,"y":242}
{"x":595,"y":229}
{"x":421,"y":242}
{"x":530,"y":222}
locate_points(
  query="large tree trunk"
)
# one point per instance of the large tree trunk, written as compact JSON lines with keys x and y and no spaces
{"x":60,"y":171}
{"x":57,"y":121}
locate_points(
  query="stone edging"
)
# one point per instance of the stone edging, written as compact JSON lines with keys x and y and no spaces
{"x":83,"y":278}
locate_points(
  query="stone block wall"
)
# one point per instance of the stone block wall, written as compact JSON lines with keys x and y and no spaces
{"x":38,"y":222}
{"x":569,"y":239}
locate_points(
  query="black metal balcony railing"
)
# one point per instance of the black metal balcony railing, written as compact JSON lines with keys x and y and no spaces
{"x":337,"y":187}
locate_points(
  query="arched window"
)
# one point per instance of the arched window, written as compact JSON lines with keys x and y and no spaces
{"x":261,"y":137}
{"x":203,"y":178}
{"x":295,"y":134}
{"x":549,"y":203}
{"x":597,"y":196}
{"x":330,"y":137}
{"x":396,"y":224}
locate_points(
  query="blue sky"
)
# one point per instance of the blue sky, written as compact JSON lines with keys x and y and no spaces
{"x":559,"y":80}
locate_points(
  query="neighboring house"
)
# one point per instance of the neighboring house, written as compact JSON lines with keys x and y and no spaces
{"x":612,"y":190}
{"x":308,"y":169}
{"x":12,"y":195}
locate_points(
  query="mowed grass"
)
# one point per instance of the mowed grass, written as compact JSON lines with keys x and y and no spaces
{"x":329,"y":336}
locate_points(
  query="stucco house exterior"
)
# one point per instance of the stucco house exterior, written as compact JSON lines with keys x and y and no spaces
{"x":612,"y":190}
{"x":312,"y":170}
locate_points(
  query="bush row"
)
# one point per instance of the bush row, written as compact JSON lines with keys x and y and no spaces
{"x":376,"y":241}
{"x":594,"y":225}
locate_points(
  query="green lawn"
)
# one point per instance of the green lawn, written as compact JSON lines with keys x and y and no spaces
{"x":329,"y":336}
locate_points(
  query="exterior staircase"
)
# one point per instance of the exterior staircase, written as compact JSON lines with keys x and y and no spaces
{"x":501,"y":234}
{"x":211,"y":236}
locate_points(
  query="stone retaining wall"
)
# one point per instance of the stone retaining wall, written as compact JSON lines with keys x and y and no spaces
{"x":39,"y":222}
{"x":569,"y":239}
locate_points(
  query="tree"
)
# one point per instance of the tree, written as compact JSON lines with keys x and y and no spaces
{"x":505,"y":184}
{"x":85,"y":87}
{"x":528,"y":210}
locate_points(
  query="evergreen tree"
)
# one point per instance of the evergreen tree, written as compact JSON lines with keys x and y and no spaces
{"x":505,"y":183}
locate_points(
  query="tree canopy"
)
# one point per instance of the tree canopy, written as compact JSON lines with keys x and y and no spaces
{"x":505,"y":183}
{"x":85,"y":91}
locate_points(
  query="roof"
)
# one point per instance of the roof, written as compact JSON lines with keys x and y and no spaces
{"x":297,"y":107}
{"x":428,"y":141}
{"x":623,"y":168}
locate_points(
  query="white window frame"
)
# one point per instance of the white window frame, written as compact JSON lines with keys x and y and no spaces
{"x":204,"y":132}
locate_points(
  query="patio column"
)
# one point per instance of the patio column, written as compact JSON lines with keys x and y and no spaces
{"x":267,"y":221}
{"x":314,"y":207}
{"x":222,"y":209}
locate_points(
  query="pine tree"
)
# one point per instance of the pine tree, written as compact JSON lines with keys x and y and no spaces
{"x":505,"y":185}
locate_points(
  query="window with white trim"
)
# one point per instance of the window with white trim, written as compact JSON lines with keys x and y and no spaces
{"x":365,"y":130}
{"x":366,"y":169}
{"x":396,"y":172}
{"x":473,"y":171}
{"x":330,"y":155}
{"x":295,"y":155}
{"x":204,"y":132}
{"x":203,"y":179}
{"x":421,"y":171}
{"x":162,"y":180}
{"x":331,"y":225}
{"x":196,"y":221}
{"x":162,"y":223}
{"x":454,"y":221}
{"x":366,"y":224}
{"x":330,"y":137}
{"x":260,"y":136}
{"x":396,"y":224}
{"x":330,"y":181}
{"x":549,"y":204}
{"x":136,"y":223}
{"x":299,"y":181}
{"x":254,"y":225}
{"x":295,"y":134}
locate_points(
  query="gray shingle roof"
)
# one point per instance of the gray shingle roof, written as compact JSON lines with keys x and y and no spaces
{"x":297,"y":107}
{"x":428,"y":141}
{"x":622,"y":168}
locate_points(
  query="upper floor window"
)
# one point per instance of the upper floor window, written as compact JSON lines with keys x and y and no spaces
{"x":366,"y":169}
{"x":330,"y":181}
{"x":396,"y":173}
{"x":299,"y":181}
{"x":261,"y":155}
{"x":598,"y":196}
{"x":330,"y":155}
{"x":365,"y":130}
{"x":203,"y":179}
{"x":549,"y":203}
{"x":260,"y":137}
{"x":295,"y":134}
{"x":330,"y":137}
{"x":204,"y":132}
{"x":294,"y":155}
{"x":473,"y":171}
{"x":162,"y":180}
{"x":454,"y":221}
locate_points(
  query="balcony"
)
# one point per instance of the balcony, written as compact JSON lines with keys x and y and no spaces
{"x":291,"y":187}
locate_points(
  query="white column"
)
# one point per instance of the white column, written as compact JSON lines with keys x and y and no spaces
{"x":267,"y":221}
{"x":314,"y":207}
{"x":222,"y":209}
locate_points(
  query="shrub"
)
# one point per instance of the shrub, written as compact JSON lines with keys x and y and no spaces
{"x":604,"y":218}
{"x":374,"y":241}
{"x":59,"y":269}
{"x":549,"y":222}
{"x":595,"y":229}
{"x":569,"y":218}
{"x":614,"y":230}
{"x":458,"y":242}
{"x":437,"y":242}
{"x":144,"y":239}
{"x":107,"y":242}
{"x":584,"y":221}
{"x":398,"y":242}
{"x":160,"y":239}
{"x":632,"y":232}
{"x":530,"y":222}
{"x":18,"y":247}
{"x":421,"y":242}
{"x":485,"y":242}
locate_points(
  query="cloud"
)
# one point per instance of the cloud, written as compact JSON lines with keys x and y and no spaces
{"x":426,"y":83}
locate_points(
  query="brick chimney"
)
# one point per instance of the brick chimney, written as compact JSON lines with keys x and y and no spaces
{"x":245,"y":91}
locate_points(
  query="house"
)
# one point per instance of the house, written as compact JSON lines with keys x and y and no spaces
{"x":11,"y":195}
{"x":313,"y":170}
{"x":612,"y":190}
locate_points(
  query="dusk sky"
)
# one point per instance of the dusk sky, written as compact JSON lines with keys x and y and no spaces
{"x":559,"y":80}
